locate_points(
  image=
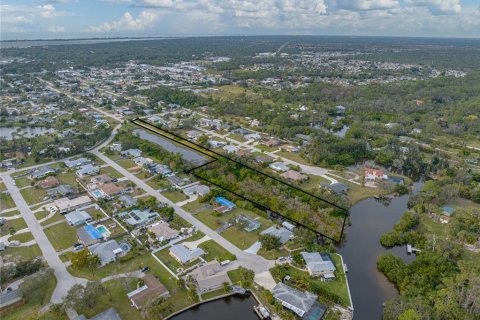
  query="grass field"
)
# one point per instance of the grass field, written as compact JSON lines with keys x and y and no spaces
{"x":175,"y":196}
{"x":10,"y":213}
{"x":55,"y":218}
{"x":41,"y":214}
{"x":68,"y":178}
{"x":16,"y":224}
{"x":238,"y":137}
{"x":33,"y":195}
{"x":22,"y":182}
{"x":213,"y":294}
{"x":216,"y":252}
{"x":22,"y":237}
{"x":6,"y":201}
{"x":292,"y":156}
{"x":22,"y":253}
{"x":61,"y":236}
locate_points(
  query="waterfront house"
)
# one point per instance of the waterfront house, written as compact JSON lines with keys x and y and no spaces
{"x":337,"y":188}
{"x":210,"y":276}
{"x":152,"y":288}
{"x":319,"y":264}
{"x":184,"y":254}
{"x":373,"y":174}
{"x":109,"y":314}
{"x":304,"y":304}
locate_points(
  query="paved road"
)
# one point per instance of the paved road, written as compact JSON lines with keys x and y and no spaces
{"x":248,"y":260}
{"x":64,"y":279}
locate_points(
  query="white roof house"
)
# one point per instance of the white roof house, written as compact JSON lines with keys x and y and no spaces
{"x":77,"y":217}
{"x":283,"y":234}
{"x":87,"y":170}
{"x":293,"y":299}
{"x":65,"y":204}
{"x":318,"y":263}
{"x":279,"y":166}
{"x":185,"y":255}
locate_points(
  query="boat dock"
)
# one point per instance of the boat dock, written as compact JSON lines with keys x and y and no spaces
{"x":261,"y":312}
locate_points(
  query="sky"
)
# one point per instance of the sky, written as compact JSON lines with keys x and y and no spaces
{"x":54,"y":19}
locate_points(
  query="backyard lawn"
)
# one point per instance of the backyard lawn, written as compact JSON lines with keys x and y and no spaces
{"x":61,"y":236}
{"x":213,"y":294}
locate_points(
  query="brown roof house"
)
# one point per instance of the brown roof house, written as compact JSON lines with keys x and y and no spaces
{"x":111,"y":189}
{"x":162,"y":231}
{"x":49,"y":182}
{"x":293,"y":175}
{"x":152,"y":288}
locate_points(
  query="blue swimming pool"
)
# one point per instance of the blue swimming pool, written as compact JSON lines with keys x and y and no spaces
{"x":224,"y":202}
{"x":103,"y":230}
{"x":97,"y":193}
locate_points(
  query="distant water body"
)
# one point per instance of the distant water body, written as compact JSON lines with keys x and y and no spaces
{"x":42,"y":43}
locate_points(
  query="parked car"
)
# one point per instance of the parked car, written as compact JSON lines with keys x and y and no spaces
{"x":145,"y":269}
{"x":14,"y":243}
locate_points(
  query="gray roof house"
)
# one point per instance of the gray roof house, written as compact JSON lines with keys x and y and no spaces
{"x":337,"y":188}
{"x":41,"y":172}
{"x":75,"y":218}
{"x":132,"y":153}
{"x":319,"y":264}
{"x":279,"y":166}
{"x":62,"y":190}
{"x":127,"y":201}
{"x":281,"y":232}
{"x":185,"y":255}
{"x":297,"y":301}
{"x":210,"y":276}
{"x":106,"y":251}
{"x":109,"y":314}
{"x":87,"y":170}
{"x":199,"y":189}
{"x":77,"y":163}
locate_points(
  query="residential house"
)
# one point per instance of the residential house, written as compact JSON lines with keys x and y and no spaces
{"x":138,"y":217}
{"x":87,"y":170}
{"x":88,"y":235}
{"x":65,"y":205}
{"x":152,"y":288}
{"x":107,"y":251}
{"x":263,"y":159}
{"x":199,"y":189}
{"x":177,"y":182}
{"x":294,"y":176}
{"x":244,"y":153}
{"x":287,"y":225}
{"x":72,"y":164}
{"x":230,"y":148}
{"x":143,"y":162}
{"x":184,"y":254}
{"x":272,"y":142}
{"x":279,"y":166}
{"x":319,"y":264}
{"x":61,"y":190}
{"x":216,"y":143}
{"x":304,"y":304}
{"x":41,"y":172}
{"x":101,"y":179}
{"x":210,"y":276}
{"x":289,"y":148}
{"x":127,"y":200}
{"x":109,"y":314}
{"x":78,"y":217}
{"x":253,"y":136}
{"x":160,"y":169}
{"x":337,"y":188}
{"x":162,"y":231}
{"x":283,"y":234}
{"x":131,"y":153}
{"x":194,"y":134}
{"x":373,"y":174}
{"x":250,"y":224}
{"x":48,"y":182}
{"x":111,"y":189}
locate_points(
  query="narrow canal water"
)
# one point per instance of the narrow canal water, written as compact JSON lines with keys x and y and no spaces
{"x":369,"y":287}
{"x":232,"y":308}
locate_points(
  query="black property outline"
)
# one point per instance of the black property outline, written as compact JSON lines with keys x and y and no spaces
{"x":144,"y":124}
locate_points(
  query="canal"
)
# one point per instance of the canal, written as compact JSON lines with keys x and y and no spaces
{"x":369,"y":287}
{"x":232,"y":308}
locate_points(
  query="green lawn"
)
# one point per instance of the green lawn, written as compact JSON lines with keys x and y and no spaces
{"x":41,"y":214}
{"x":292,"y":156}
{"x":175,"y":196}
{"x":68,"y":178}
{"x":313,"y":183}
{"x":194,"y":206}
{"x":6,"y":201}
{"x":2,"y":187}
{"x":238,"y":137}
{"x":213,"y":294}
{"x":273,"y":254}
{"x":22,"y":237}
{"x":337,"y":286}
{"x":171,"y":263}
{"x":22,"y":253}
{"x":111,"y":172}
{"x":358,"y":193}
{"x":10,"y":213}
{"x":215,"y":251}
{"x":235,"y":276}
{"x":265,"y":148}
{"x":31,"y":309}
{"x":16,"y":224}
{"x":23,"y":182}
{"x":33,"y":195}
{"x":56,"y":217}
{"x":61,"y":236}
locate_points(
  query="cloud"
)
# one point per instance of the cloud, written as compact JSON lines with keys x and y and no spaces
{"x":128,"y":23}
{"x":361,"y":5}
{"x":56,"y":29}
{"x":16,"y":14}
{"x":438,"y":6}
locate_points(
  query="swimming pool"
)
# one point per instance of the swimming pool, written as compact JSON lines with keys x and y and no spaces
{"x":97,"y":193}
{"x":103,"y":230}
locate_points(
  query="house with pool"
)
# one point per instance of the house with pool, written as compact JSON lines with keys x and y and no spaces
{"x":89,"y":235}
